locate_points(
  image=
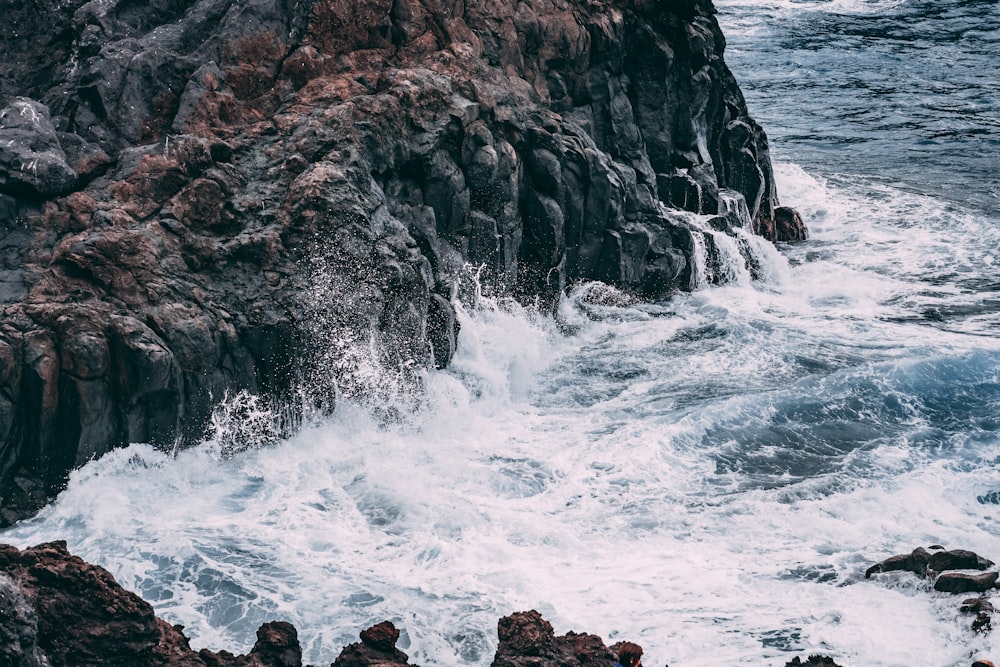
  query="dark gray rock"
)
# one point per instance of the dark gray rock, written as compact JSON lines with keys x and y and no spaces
{"x":922,"y":562}
{"x":957,"y":582}
{"x":527,"y":639}
{"x":812,"y":661}
{"x":238,"y":197}
{"x":19,"y":629}
{"x":31,"y":160}
{"x":957,"y":559}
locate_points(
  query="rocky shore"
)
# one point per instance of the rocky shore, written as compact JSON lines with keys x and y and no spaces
{"x":209,"y":200}
{"x":58,"y":611}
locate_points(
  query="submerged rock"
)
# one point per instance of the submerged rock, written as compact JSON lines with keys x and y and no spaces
{"x":976,"y":606}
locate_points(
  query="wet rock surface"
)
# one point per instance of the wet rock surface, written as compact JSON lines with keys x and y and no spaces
{"x":57,"y":610}
{"x":939,"y":563}
{"x":928,"y":563}
{"x":527,"y":639}
{"x":203,"y":197}
{"x":812,"y":661}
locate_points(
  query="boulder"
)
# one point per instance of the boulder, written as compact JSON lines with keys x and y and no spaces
{"x":957,"y":582}
{"x":57,"y":610}
{"x":957,"y":559}
{"x":812,"y":661}
{"x":528,"y":640}
{"x":788,"y":225}
{"x":922,"y":562}
{"x":377,"y":648}
{"x":915,"y":562}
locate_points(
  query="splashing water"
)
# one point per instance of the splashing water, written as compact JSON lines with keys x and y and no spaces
{"x":708,"y":476}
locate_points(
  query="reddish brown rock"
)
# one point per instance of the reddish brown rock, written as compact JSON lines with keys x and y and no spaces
{"x":60,"y":611}
{"x":528,"y":640}
{"x":788,"y":225}
{"x":957,"y":559}
{"x":915,"y":562}
{"x":813,"y":661}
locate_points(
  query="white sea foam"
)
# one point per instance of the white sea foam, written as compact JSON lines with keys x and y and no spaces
{"x":709,"y":476}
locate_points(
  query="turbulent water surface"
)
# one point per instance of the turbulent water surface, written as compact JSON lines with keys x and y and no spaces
{"x":709,"y":476}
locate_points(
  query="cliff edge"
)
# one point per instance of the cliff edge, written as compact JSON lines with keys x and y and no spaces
{"x":205,"y":197}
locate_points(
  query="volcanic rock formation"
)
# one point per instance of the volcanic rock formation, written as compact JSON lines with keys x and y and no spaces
{"x":202,"y":199}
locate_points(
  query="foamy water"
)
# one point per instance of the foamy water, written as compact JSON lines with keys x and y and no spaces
{"x":708,"y":476}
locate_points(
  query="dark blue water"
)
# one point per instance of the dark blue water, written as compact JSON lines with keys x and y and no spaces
{"x":904,"y":92}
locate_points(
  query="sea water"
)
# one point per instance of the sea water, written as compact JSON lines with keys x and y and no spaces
{"x":708,"y":476}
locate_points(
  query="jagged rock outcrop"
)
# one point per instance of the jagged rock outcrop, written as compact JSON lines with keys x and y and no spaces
{"x":377,"y":647}
{"x":58,"y":611}
{"x":527,"y":639}
{"x":202,"y":197}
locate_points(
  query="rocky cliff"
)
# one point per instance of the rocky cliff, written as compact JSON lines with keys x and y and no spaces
{"x":202,"y":197}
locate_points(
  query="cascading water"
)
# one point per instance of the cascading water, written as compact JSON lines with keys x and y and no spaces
{"x":709,"y":476}
{"x":725,"y":248}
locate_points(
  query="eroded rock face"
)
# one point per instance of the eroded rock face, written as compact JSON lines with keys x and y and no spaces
{"x":31,"y":160}
{"x":527,"y":639}
{"x":229,"y":196}
{"x":377,"y":647}
{"x":57,"y":610}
